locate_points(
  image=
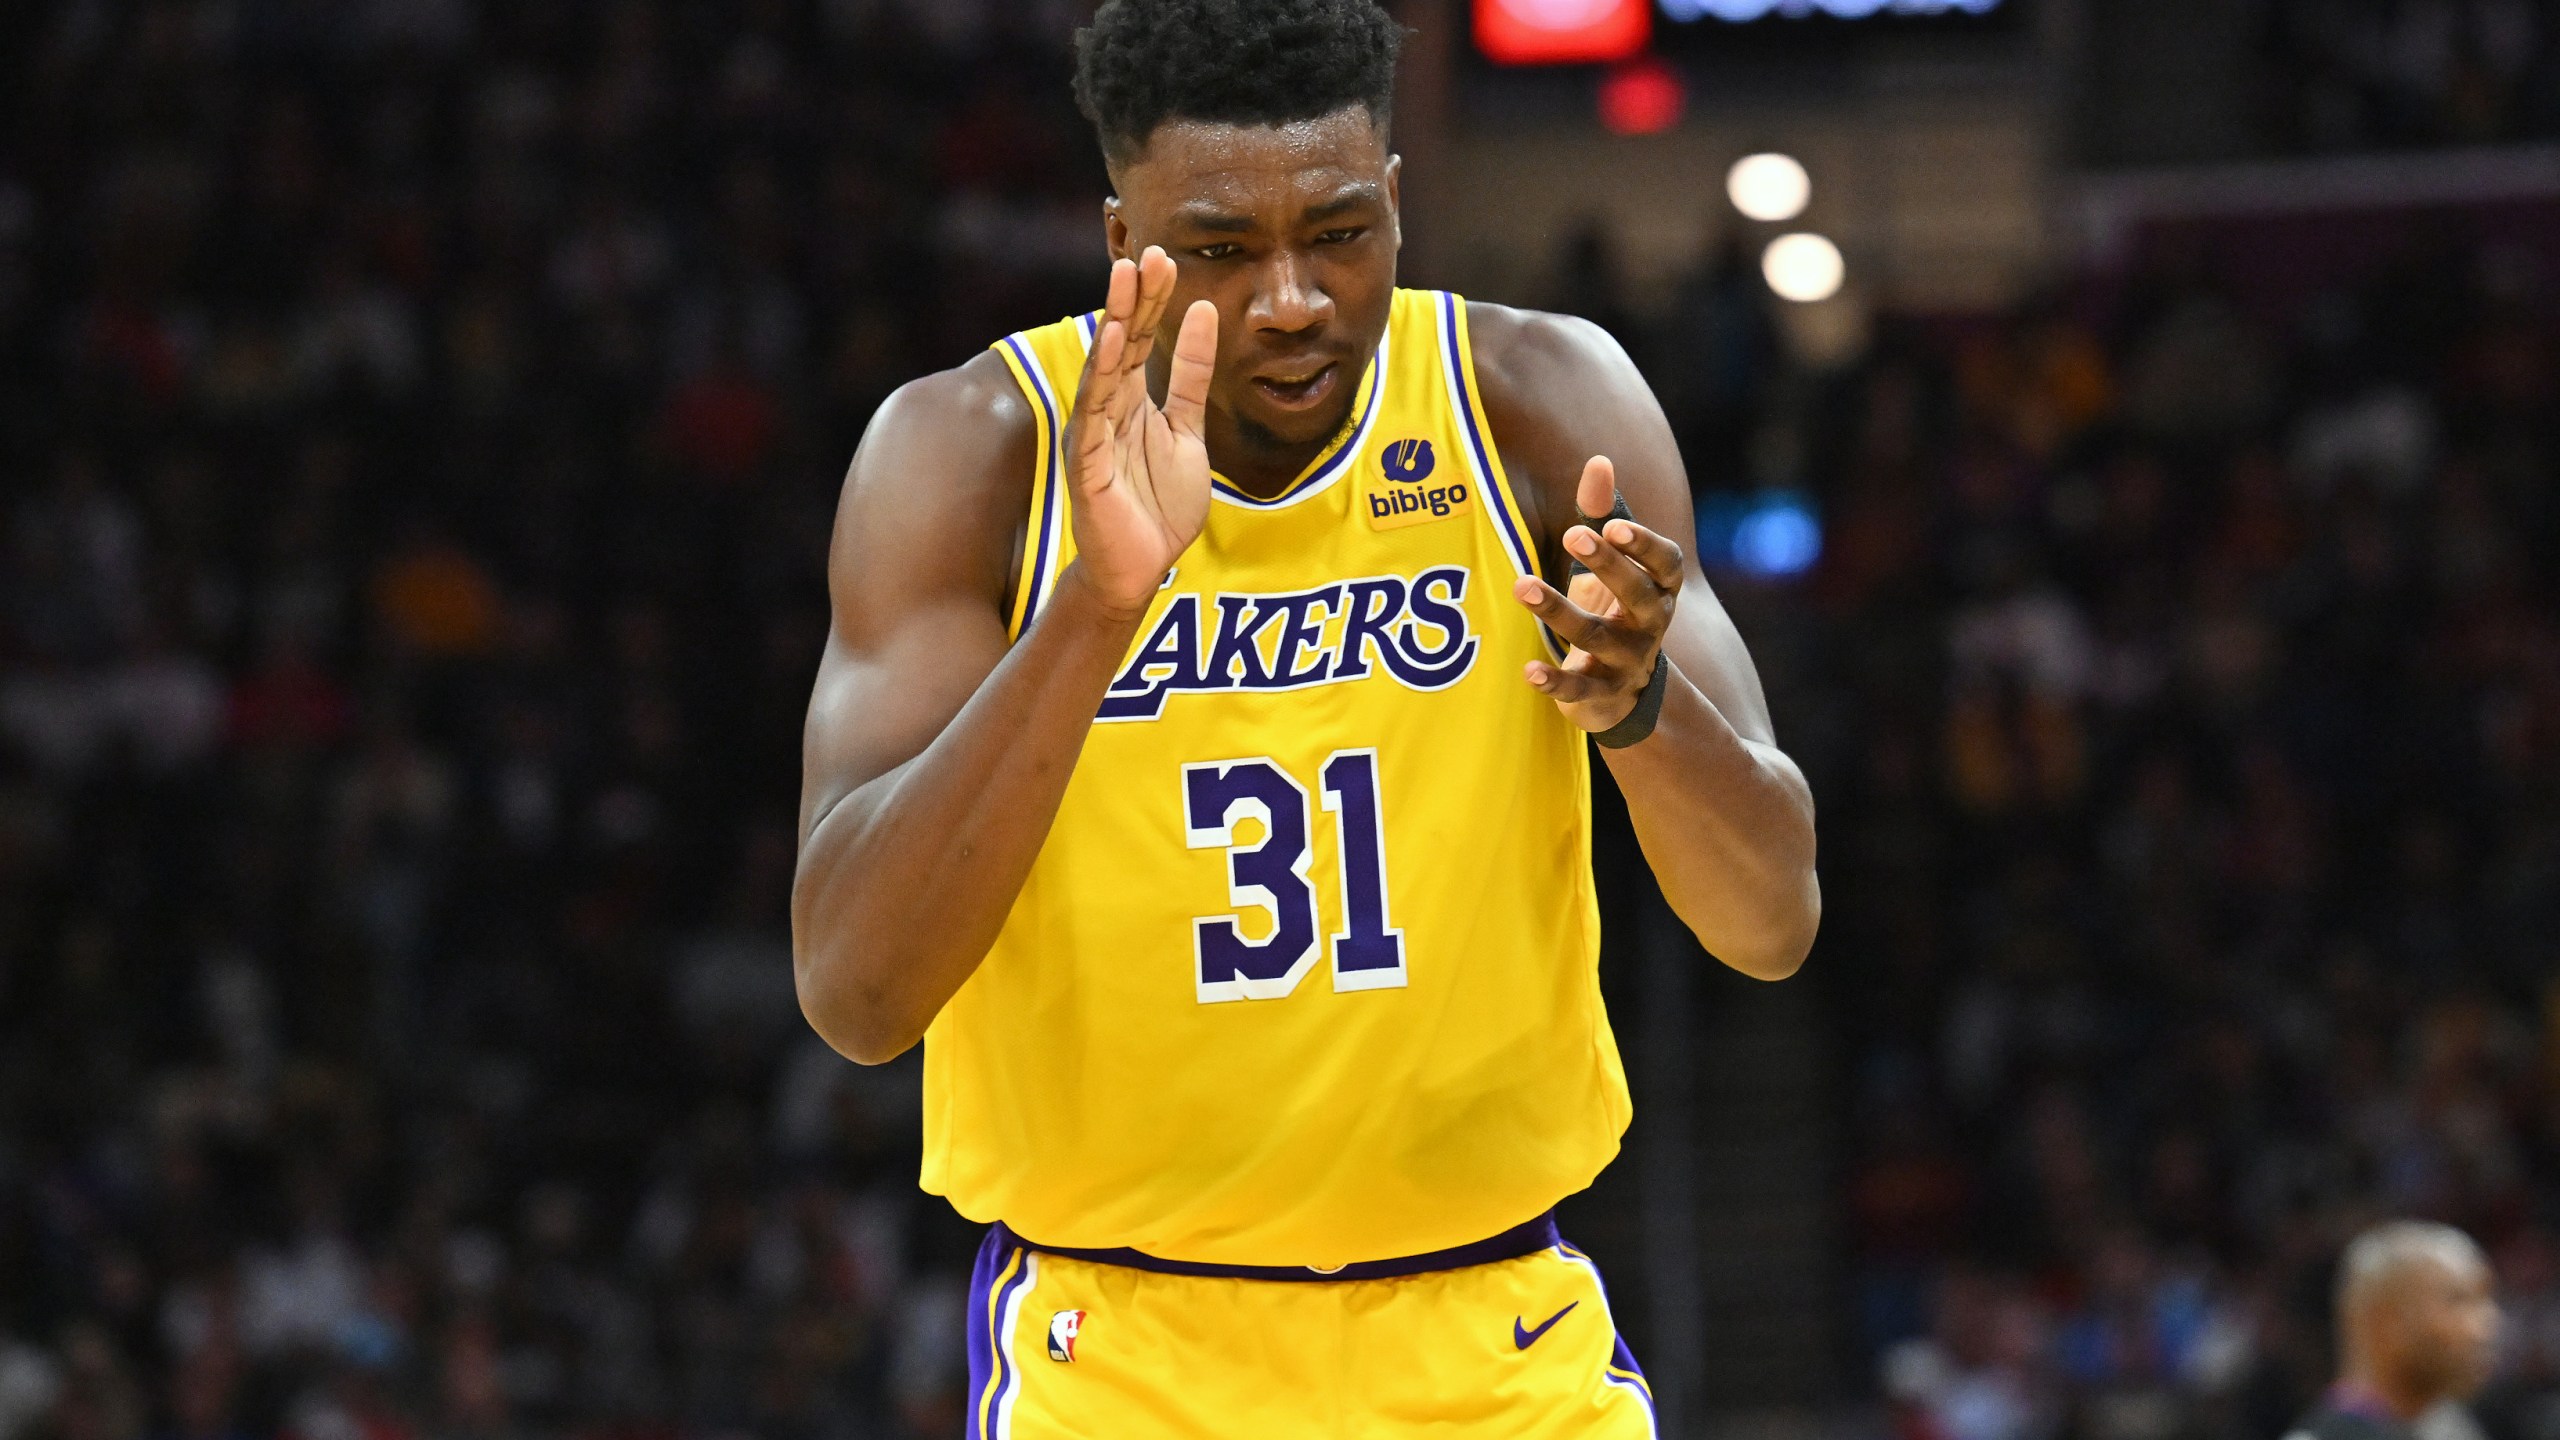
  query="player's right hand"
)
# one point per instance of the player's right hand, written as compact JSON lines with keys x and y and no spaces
{"x":1139,"y":470}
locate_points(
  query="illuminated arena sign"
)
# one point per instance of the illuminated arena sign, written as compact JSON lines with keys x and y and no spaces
{"x":1740,"y":11}
{"x":1562,"y":32}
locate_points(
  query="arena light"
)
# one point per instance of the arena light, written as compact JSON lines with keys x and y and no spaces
{"x":1643,"y":97}
{"x":1779,"y":539}
{"x":1770,"y":535}
{"x":1769,"y":187}
{"x":1744,"y":11}
{"x":1803,"y":267}
{"x":1562,"y":32}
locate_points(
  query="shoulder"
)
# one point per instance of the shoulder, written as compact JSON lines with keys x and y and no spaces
{"x":1557,"y":390}
{"x":950,"y":454}
{"x":2326,"y":1423}
{"x":1523,"y":357}
{"x":974,"y":408}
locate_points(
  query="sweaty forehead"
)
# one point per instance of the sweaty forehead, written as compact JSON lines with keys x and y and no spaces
{"x":1198,"y":165}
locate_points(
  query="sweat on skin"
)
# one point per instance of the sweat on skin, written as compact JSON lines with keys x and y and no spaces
{"x":1254,"y":270}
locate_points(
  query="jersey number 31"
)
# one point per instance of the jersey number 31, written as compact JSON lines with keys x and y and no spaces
{"x":1272,"y":876}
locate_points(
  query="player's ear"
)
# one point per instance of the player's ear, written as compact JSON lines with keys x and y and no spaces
{"x":1395,"y":199}
{"x":1115,"y":230}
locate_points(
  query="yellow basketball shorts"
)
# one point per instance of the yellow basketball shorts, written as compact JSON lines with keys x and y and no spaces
{"x":1063,"y":1345}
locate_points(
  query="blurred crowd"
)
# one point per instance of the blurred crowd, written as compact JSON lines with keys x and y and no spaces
{"x":2339,"y":75}
{"x":424,"y":417}
{"x":422,"y":421}
{"x":2186,"y":714}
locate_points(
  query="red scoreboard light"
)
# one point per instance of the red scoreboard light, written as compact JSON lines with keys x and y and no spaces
{"x":1642,"y":97}
{"x":1562,"y":32}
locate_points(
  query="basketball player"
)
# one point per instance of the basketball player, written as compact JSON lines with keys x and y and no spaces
{"x":1198,"y":767}
{"x":2417,"y":1317}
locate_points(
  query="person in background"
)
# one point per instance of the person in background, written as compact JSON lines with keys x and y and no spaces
{"x":2417,"y":1332}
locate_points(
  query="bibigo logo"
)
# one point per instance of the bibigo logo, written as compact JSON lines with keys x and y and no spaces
{"x":1408,"y":498}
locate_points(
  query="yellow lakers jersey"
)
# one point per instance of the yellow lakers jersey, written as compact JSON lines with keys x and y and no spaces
{"x":1306,"y":972}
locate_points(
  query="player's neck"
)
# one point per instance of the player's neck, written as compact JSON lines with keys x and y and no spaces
{"x":2367,"y":1389}
{"x":1259,"y":471}
{"x":1262,"y":464}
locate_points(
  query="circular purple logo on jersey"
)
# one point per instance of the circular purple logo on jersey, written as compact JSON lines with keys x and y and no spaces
{"x":1407,"y":460}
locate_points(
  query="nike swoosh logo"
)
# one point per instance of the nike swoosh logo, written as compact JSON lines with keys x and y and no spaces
{"x":1526,"y":1338}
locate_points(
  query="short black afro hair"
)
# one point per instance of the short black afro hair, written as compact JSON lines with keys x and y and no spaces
{"x":1241,"y":62}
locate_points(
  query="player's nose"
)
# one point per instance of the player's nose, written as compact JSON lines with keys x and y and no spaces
{"x":1286,"y":295}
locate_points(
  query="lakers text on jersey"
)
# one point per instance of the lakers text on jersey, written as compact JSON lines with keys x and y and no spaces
{"x":1306,"y":970}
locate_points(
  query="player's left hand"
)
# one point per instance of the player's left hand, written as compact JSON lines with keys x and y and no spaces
{"x":1613,"y":618}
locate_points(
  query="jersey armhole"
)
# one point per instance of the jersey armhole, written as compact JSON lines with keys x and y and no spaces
{"x":1509,"y":519}
{"x":1039,"y":547}
{"x":1458,"y":361}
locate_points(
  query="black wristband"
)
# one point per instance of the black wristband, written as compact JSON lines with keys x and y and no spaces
{"x":1640,"y":721}
{"x":1618,"y":511}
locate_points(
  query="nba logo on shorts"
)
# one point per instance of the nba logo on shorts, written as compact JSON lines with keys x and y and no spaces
{"x":1063,"y":1327}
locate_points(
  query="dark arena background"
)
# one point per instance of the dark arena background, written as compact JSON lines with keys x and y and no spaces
{"x":2126,"y":439}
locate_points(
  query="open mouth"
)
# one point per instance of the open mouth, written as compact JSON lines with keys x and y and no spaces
{"x":1298,"y":392}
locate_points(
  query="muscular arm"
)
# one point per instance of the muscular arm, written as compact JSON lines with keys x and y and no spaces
{"x":934,"y":757}
{"x":1725,"y":818}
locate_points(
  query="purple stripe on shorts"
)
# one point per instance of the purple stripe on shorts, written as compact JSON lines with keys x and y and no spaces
{"x":987,"y":1370}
